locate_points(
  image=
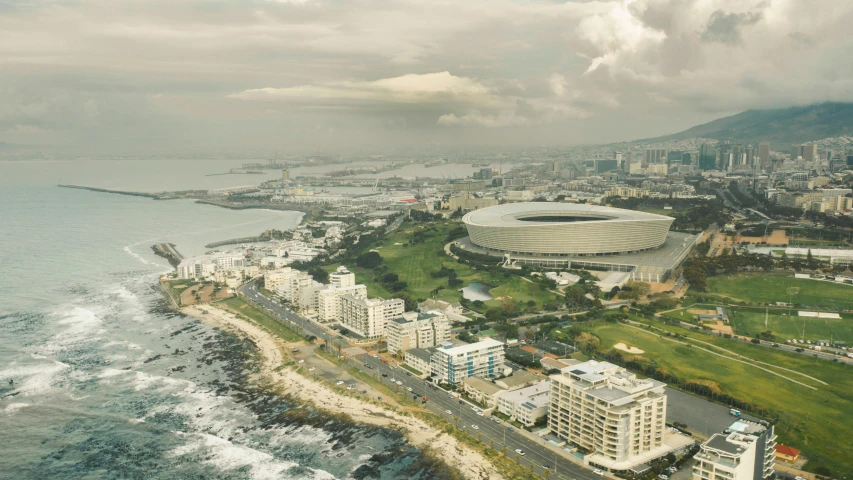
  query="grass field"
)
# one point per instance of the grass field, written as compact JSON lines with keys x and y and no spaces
{"x":785,"y":327}
{"x":763,"y":288}
{"x":807,"y":419}
{"x":238,"y":306}
{"x":414,"y":263}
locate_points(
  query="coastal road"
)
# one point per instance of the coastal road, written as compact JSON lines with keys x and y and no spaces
{"x":537,"y":455}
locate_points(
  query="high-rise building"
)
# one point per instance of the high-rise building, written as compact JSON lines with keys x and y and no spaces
{"x":285,"y":175}
{"x":763,"y":155}
{"x":341,"y":278}
{"x":745,"y":451}
{"x":731,"y":155}
{"x":368,"y":316}
{"x":606,"y":409}
{"x":674,"y":157}
{"x":656,"y":155}
{"x":290,"y":283}
{"x":810,"y":152}
{"x":329,"y":301}
{"x":687,"y":158}
{"x":481,"y":359}
{"x":416,"y":330}
{"x":707,"y":157}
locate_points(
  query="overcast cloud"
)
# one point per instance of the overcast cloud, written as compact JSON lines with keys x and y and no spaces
{"x":136,"y":75}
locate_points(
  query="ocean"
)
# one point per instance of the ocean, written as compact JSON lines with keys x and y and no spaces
{"x":99,"y":379}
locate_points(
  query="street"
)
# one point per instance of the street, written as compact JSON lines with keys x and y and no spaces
{"x":537,"y":455}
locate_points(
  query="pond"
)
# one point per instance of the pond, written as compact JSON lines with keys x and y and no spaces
{"x":476,"y":291}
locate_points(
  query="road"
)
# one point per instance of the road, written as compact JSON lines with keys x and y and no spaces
{"x":536,"y":455}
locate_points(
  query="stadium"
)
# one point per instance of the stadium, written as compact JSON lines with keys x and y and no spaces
{"x":568,"y":235}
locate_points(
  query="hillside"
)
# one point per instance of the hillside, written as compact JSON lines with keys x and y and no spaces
{"x":778,"y":126}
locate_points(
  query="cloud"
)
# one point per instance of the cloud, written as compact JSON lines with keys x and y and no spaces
{"x":726,"y":27}
{"x":399,"y":72}
{"x":440,"y":87}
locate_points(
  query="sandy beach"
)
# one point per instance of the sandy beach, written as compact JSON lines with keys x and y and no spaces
{"x":420,"y":434}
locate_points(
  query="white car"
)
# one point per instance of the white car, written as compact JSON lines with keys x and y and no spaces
{"x":480,"y":413}
{"x":519,"y":451}
{"x":409,"y":389}
{"x":311,"y":369}
{"x":302,"y":361}
{"x":399,"y":382}
{"x":598,"y":472}
{"x":448,"y":412}
{"x":340,"y":382}
{"x":475,"y":427}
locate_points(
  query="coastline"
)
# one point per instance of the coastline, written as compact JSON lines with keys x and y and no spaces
{"x":286,"y":380}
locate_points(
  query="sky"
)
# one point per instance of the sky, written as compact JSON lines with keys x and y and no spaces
{"x":133,"y":76}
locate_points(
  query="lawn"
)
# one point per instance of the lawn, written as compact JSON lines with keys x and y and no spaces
{"x":237,"y":306}
{"x":807,"y":419}
{"x":414,"y":263}
{"x":784,"y":326}
{"x":764,"y":288}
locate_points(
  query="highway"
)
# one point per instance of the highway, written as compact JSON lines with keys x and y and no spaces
{"x":490,"y":429}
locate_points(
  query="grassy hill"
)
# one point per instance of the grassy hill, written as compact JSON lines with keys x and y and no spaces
{"x":780,"y":127}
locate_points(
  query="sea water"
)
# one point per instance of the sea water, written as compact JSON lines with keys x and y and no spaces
{"x":107,"y":382}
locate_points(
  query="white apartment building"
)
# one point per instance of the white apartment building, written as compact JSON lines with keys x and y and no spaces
{"x":525,"y":405}
{"x":368,"y":316}
{"x":342,"y":278}
{"x":204,"y":266}
{"x":417,"y":330}
{"x":482,"y":359}
{"x":289,"y":284}
{"x":420,"y":359}
{"x":608,"y":410}
{"x":329,"y":301}
{"x":744,"y":452}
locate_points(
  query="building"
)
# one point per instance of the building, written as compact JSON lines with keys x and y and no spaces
{"x":525,"y":405}
{"x":518,"y":379}
{"x":341,"y":278}
{"x":466,"y":201}
{"x":205,"y":266}
{"x":555,"y":229}
{"x":745,"y":451}
{"x":786,"y":454}
{"x":368,"y":316}
{"x":482,"y":391}
{"x":329,"y":301}
{"x":606,"y":409}
{"x":655,"y":155}
{"x":764,"y":155}
{"x":482,"y":359}
{"x":419,"y":359}
{"x":289,"y":284}
{"x":707,"y":157}
{"x":416,"y":330}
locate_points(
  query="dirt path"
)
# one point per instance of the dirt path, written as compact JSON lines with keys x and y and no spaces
{"x":733,"y":358}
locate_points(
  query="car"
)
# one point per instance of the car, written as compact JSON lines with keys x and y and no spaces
{"x":385,"y":375}
{"x":408,"y":374}
{"x":399,"y":382}
{"x":519,"y":451}
{"x":510,"y":428}
{"x":340,"y":382}
{"x":409,"y":389}
{"x":302,"y":361}
{"x":598,"y":472}
{"x":663,"y":477}
{"x":461,"y":402}
{"x":475,"y":426}
{"x":368,"y":366}
{"x":376,"y":356}
{"x":393,"y":380}
{"x":448,"y":412}
{"x":480,"y":413}
{"x":495,"y":419}
{"x":311,"y":369}
{"x":546,"y":467}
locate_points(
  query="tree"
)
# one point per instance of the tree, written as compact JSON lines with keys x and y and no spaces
{"x":411,"y":302}
{"x":368,"y":260}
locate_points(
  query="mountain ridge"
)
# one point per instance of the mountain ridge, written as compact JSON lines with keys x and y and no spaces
{"x":779,"y":126}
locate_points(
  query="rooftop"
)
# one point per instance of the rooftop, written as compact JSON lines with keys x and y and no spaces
{"x":481,"y":385}
{"x":549,"y":213}
{"x":423,"y":354}
{"x":468,"y":348}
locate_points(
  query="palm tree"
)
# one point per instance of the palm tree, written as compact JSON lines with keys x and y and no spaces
{"x":503,"y":450}
{"x":547,"y":473}
{"x":517,"y":458}
{"x":479,"y":436}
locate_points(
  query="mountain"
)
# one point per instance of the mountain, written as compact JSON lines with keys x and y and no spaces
{"x":782,"y":126}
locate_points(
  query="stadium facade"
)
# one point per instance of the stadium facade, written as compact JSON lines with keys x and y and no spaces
{"x":566,"y":235}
